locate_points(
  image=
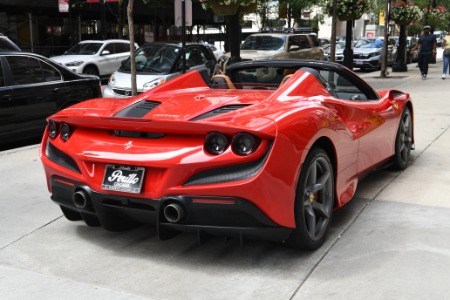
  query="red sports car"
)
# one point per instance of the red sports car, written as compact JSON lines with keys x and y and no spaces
{"x":267,"y":151}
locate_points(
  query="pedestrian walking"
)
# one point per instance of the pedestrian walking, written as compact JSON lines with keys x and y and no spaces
{"x":427,"y":43}
{"x":446,"y":55}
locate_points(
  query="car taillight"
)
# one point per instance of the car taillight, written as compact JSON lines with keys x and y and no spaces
{"x":244,"y":143}
{"x":53,"y":129}
{"x":65,"y":132}
{"x":216,"y":143}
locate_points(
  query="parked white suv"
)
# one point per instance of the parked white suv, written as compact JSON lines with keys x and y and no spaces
{"x":96,"y":57}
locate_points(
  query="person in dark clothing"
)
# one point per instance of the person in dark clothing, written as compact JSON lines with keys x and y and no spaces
{"x":427,"y":42}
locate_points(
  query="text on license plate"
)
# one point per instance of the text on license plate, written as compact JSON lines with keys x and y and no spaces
{"x":123,"y":179}
{"x":359,"y":61}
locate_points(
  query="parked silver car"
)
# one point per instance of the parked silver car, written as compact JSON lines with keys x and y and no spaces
{"x":367,"y":52}
{"x":157,"y":63}
{"x":339,"y":52}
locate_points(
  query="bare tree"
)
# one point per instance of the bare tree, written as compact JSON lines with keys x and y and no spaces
{"x":130,"y":9}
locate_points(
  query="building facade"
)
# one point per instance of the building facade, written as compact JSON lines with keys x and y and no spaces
{"x":39,"y":26}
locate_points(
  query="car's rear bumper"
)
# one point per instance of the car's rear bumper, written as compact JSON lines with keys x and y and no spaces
{"x":228,"y":216}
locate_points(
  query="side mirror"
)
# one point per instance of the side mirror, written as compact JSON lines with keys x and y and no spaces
{"x":105,"y":52}
{"x":294,"y":48}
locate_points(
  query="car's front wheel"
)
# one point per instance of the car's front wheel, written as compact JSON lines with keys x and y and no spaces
{"x":314,"y":201}
{"x":91,"y":70}
{"x":403,"y":141}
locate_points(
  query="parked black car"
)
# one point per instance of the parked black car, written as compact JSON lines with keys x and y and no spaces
{"x":32,"y":88}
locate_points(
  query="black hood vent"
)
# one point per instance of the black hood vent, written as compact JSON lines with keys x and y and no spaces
{"x":138,"y":110}
{"x":219,"y":111}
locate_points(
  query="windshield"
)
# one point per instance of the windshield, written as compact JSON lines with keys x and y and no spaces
{"x":84,"y":49}
{"x":263,"y":42}
{"x":154,"y":59}
{"x":369,"y":43}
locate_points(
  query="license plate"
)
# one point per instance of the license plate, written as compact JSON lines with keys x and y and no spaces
{"x":123,"y":179}
{"x":359,"y":61}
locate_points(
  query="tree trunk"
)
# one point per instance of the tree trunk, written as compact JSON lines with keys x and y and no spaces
{"x":132,"y":47}
{"x":235,"y":38}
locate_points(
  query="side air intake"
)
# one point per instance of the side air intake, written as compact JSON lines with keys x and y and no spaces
{"x":219,"y":111}
{"x":138,"y":110}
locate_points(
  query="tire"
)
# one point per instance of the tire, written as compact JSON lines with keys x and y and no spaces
{"x":71,"y":215}
{"x":403,"y":141}
{"x":92,"y":70}
{"x":314,"y":201}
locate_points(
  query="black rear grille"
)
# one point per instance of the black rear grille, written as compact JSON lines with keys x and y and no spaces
{"x":219,"y":111}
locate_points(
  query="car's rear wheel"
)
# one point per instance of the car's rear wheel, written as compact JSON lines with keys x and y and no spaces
{"x":314,"y":201}
{"x":403,"y":141}
{"x":91,"y":70}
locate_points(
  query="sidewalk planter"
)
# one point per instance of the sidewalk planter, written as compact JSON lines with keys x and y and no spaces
{"x":404,"y":13}
{"x":348,"y":10}
{"x":230,"y":7}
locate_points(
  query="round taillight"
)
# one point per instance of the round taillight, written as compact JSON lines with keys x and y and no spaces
{"x":52,"y":130}
{"x":65,"y":132}
{"x":244,"y":143}
{"x":216,"y":143}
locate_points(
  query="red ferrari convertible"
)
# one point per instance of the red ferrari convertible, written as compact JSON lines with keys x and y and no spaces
{"x":266,"y":151}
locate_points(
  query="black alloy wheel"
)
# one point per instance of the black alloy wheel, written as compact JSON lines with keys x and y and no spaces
{"x":314,"y":201}
{"x":403,"y":141}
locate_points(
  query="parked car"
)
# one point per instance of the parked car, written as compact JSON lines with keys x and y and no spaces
{"x":218,"y":52}
{"x":100,"y":58}
{"x":32,"y":88}
{"x":157,"y":63}
{"x":7,"y":45}
{"x":440,"y":35}
{"x":411,"y":56}
{"x":339,"y":52}
{"x":324,"y":42}
{"x":277,"y":45}
{"x":238,"y":155}
{"x":367,"y":52}
{"x":281,"y":45}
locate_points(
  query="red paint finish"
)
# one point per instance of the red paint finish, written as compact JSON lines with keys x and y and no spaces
{"x":288,"y":121}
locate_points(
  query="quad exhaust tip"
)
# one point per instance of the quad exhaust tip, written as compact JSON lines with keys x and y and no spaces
{"x":81,"y":199}
{"x":174,"y":212}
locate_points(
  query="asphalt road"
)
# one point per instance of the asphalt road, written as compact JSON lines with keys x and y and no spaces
{"x":392,"y":241}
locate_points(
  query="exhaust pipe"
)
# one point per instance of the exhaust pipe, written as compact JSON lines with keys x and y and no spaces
{"x":174,"y":212}
{"x":81,"y":199}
